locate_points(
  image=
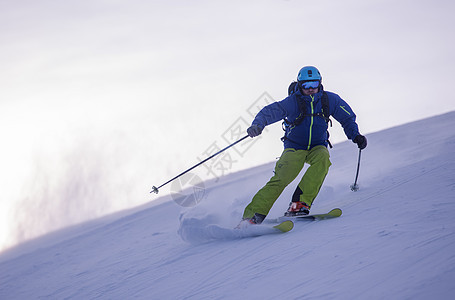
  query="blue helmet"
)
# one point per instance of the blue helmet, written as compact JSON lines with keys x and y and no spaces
{"x":309,"y":73}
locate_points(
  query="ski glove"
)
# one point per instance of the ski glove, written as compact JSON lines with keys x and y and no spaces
{"x":254,"y":130}
{"x":361,"y":141}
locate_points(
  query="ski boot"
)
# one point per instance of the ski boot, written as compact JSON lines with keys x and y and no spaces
{"x":297,"y":209}
{"x":256,"y":219}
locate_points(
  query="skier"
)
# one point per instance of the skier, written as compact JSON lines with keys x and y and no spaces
{"x":306,"y":114}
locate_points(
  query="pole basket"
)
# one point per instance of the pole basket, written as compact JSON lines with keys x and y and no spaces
{"x":154,"y":190}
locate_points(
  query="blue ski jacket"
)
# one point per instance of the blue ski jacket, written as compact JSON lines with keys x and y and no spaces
{"x":312,"y":131}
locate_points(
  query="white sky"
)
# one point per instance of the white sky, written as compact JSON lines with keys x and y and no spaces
{"x":100,"y":100}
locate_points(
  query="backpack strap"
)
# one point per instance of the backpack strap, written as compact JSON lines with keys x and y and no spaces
{"x":326,"y":114}
{"x":325,"y":111}
{"x":326,"y":108}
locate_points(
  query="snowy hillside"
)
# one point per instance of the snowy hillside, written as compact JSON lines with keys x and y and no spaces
{"x":395,"y":239}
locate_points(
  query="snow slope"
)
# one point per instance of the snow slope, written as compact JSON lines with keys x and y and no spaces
{"x":395,"y":240}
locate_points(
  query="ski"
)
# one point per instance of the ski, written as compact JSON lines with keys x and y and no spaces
{"x":334,"y":213}
{"x":205,"y":233}
{"x":285,"y":226}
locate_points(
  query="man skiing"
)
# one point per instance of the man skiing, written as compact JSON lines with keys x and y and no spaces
{"x":306,"y":114}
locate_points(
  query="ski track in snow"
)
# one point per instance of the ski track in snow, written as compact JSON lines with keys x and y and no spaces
{"x":395,"y":239}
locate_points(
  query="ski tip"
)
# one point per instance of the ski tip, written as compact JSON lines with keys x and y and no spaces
{"x":336,"y":212}
{"x":285,"y":226}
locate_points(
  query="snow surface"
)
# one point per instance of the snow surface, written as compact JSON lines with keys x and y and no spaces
{"x":395,"y":239}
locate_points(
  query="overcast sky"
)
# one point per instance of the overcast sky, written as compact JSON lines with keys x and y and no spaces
{"x":100,"y":100}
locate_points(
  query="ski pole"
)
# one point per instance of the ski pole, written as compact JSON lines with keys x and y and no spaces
{"x":155,"y":189}
{"x":355,"y":186}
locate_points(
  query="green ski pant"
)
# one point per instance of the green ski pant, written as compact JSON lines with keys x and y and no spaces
{"x":287,"y":169}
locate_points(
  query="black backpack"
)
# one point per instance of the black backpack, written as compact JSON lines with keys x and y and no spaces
{"x":325,"y":114}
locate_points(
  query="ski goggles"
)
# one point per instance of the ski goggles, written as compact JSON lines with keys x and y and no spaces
{"x":310,"y":84}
